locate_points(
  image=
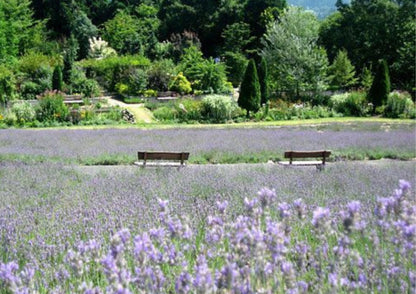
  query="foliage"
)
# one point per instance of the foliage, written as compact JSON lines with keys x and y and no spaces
{"x":366,"y":79}
{"x":350,"y":104}
{"x":292,"y":53}
{"x":363,"y":28}
{"x":218,"y":108}
{"x":51,"y":107}
{"x":180,"y":84}
{"x":159,"y":74}
{"x":83,"y":30}
{"x":165,"y":113}
{"x":7,"y":84}
{"x":236,"y":64}
{"x":57,"y":82}
{"x":380,"y":88}
{"x":81,"y":84}
{"x":342,"y":72}
{"x":204,"y":74}
{"x":400,"y":105}
{"x":250,"y":95}
{"x":19,"y":32}
{"x":264,"y":81}
{"x":99,"y":49}
{"x":24,"y":112}
{"x":236,"y":37}
{"x":132,"y":33}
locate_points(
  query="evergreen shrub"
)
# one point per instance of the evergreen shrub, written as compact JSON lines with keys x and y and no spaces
{"x":399,"y":105}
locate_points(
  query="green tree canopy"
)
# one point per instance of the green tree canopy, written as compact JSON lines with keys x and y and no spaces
{"x":250,"y":94}
{"x":341,"y":71}
{"x":295,"y":60}
{"x":380,"y":88}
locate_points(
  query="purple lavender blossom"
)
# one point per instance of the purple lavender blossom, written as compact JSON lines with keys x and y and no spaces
{"x":320,"y":214}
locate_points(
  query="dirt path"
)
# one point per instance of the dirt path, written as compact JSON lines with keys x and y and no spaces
{"x":141,"y":114}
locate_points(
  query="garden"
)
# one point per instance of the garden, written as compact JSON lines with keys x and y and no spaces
{"x":77,"y":216}
{"x":85,"y":85}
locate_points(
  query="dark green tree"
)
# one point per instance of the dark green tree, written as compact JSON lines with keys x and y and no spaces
{"x":70,"y":52}
{"x":57,"y":82}
{"x":380,"y":88}
{"x":263,"y":79}
{"x":250,"y":94}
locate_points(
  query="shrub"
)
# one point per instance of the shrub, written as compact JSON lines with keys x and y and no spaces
{"x":189,"y":110}
{"x":7,"y":84}
{"x":250,"y":94}
{"x":380,"y":88}
{"x":356,"y":104}
{"x":24,"y":112}
{"x":121,"y":88}
{"x":350,"y":104}
{"x":165,"y":113}
{"x":399,"y":105}
{"x":204,"y":74}
{"x":81,"y":84}
{"x":180,"y":84}
{"x":57,"y":82}
{"x":218,"y":108}
{"x":263,"y":80}
{"x":51,"y":107}
{"x":29,"y":90}
{"x":236,"y":64}
{"x":159,"y":74}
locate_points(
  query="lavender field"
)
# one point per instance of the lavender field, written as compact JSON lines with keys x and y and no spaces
{"x":232,"y":228}
{"x":230,"y":145}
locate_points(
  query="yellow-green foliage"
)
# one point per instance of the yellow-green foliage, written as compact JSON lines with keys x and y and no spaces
{"x":180,"y":84}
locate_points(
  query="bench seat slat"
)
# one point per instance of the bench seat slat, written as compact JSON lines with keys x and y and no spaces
{"x":301,"y":163}
{"x":162,"y":156}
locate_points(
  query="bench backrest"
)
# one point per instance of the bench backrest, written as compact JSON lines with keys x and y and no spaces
{"x":152,"y":155}
{"x":307,"y":154}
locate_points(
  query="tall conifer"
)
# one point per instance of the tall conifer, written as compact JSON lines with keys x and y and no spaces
{"x":250,"y":94}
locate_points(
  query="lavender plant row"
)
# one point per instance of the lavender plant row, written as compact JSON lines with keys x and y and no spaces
{"x":103,"y":230}
{"x":210,"y":144}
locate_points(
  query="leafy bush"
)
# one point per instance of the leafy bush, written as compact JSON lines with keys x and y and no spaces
{"x":204,"y":74}
{"x":180,"y":84}
{"x":189,"y":110}
{"x":57,"y":82}
{"x":7,"y":84}
{"x":159,"y":74}
{"x":236,"y":64}
{"x":399,"y":105}
{"x":24,"y":112}
{"x":356,"y":104}
{"x":29,"y":90}
{"x":350,"y":104}
{"x":165,"y":113}
{"x":51,"y":107}
{"x":81,"y":84}
{"x":218,"y":108}
{"x":250,"y":94}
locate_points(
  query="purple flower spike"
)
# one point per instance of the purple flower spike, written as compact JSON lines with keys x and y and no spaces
{"x":266,"y":196}
{"x":354,"y":207}
{"x":404,"y":185}
{"x":319,"y":214}
{"x":222,"y":206}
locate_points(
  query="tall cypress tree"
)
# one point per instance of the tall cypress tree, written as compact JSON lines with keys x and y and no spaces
{"x":380,"y":88}
{"x":263,"y":79}
{"x":250,"y":94}
{"x":57,"y":82}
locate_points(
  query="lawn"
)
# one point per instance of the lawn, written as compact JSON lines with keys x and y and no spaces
{"x":229,"y":228}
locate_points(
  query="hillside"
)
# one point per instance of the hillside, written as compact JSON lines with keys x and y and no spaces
{"x":321,"y":7}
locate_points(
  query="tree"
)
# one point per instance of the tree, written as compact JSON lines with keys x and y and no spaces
{"x":380,"y":88}
{"x":57,"y":83}
{"x":18,"y":30}
{"x":83,"y":31}
{"x":263,"y":79}
{"x":342,"y":72}
{"x":293,"y":56}
{"x":250,"y":94}
{"x":374,"y":30}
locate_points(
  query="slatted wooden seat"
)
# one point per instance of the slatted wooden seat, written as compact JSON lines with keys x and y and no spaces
{"x":320,"y":164}
{"x":167,"y":157}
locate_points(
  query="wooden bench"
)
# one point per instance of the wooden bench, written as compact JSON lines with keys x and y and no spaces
{"x":162,"y":156}
{"x":320,"y":164}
